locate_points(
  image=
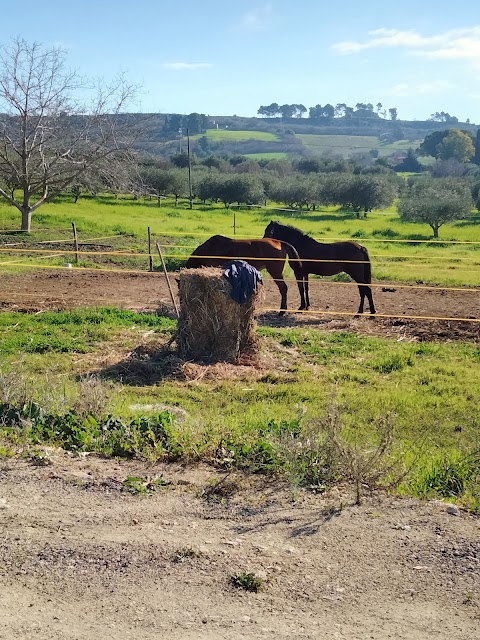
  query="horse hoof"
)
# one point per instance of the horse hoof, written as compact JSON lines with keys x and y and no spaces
{"x":281,"y":313}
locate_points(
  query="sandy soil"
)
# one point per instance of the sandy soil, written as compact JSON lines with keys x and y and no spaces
{"x":82,"y":558}
{"x":52,"y":289}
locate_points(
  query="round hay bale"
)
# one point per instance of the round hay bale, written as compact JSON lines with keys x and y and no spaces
{"x":212,"y":327}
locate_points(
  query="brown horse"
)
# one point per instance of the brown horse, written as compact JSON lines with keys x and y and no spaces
{"x":349,"y":257}
{"x":264,"y":253}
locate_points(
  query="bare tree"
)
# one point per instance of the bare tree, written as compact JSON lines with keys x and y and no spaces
{"x":48,"y":139}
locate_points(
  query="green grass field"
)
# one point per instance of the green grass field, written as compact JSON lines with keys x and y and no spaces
{"x":394,"y":256}
{"x":336,"y":392}
{"x":347,"y":146}
{"x":230,"y":135}
{"x":343,"y":145}
{"x":322,"y":389}
{"x":281,"y":155}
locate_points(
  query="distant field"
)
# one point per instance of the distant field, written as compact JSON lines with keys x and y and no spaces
{"x":343,"y":145}
{"x":227,"y":135}
{"x":349,"y":145}
{"x":280,"y":155}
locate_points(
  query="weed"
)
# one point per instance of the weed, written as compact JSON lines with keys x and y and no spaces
{"x":13,"y":387}
{"x":386,"y":233}
{"x":270,"y":378}
{"x":186,"y":553}
{"x":392,"y":362}
{"x":136,"y":484}
{"x":221,"y":490}
{"x":305,"y":456}
{"x":149,"y":437}
{"x":447,"y":475}
{"x":92,"y":398}
{"x":365,"y":463}
{"x":38,"y":458}
{"x":6,"y":452}
{"x":469,"y":598}
{"x":248,"y":582}
{"x":341,"y":277}
{"x":360,"y":233}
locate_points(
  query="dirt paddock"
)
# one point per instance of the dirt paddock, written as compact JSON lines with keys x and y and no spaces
{"x":62,"y":289}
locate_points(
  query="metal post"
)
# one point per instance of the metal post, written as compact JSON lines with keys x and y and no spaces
{"x":75,"y":241}
{"x":150,"y":257}
{"x":189,"y":171}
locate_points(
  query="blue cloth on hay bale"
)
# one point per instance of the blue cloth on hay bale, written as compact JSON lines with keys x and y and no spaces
{"x":244,"y":279}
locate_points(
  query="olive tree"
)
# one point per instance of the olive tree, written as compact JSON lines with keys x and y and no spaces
{"x":360,"y":193}
{"x":48,"y":138}
{"x":242,"y":189}
{"x":435,"y":202}
{"x":365,"y":193}
{"x":295,"y":191}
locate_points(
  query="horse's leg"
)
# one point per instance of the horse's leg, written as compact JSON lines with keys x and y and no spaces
{"x":305,"y":301}
{"x":282,"y":287}
{"x":368,"y":292}
{"x":361,"y":289}
{"x":301,"y":288}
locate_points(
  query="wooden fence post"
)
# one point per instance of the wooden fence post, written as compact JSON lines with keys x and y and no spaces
{"x":167,"y":279}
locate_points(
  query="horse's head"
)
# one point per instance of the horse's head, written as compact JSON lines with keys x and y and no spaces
{"x":270,"y":230}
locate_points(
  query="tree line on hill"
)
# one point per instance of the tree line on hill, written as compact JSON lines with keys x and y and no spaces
{"x":342,"y":110}
{"x":178,"y":124}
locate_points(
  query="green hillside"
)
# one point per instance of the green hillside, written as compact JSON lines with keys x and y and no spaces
{"x":349,"y":145}
{"x":264,"y":144}
{"x":227,"y":135}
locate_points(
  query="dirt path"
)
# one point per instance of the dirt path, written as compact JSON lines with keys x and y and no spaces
{"x":52,"y":289}
{"x":81,"y":558}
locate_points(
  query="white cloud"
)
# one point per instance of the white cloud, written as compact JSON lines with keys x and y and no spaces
{"x":456,"y":44}
{"x":257,"y":19}
{"x":188,"y":66}
{"x":406,"y":89}
{"x":381,"y":38}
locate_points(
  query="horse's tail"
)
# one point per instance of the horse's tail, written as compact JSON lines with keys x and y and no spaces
{"x":367,"y":267}
{"x":293,"y":256}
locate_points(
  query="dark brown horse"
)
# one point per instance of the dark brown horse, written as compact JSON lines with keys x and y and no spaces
{"x":349,"y":257}
{"x":264,"y":253}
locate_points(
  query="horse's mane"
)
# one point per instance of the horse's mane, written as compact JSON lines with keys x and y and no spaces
{"x":294,"y":231}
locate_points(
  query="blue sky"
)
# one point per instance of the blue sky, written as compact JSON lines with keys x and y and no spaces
{"x":224,"y":57}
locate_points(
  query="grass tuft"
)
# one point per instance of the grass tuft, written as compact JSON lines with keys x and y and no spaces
{"x":248,"y":582}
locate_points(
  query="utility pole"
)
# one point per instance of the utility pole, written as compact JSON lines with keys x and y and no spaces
{"x":189,"y":171}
